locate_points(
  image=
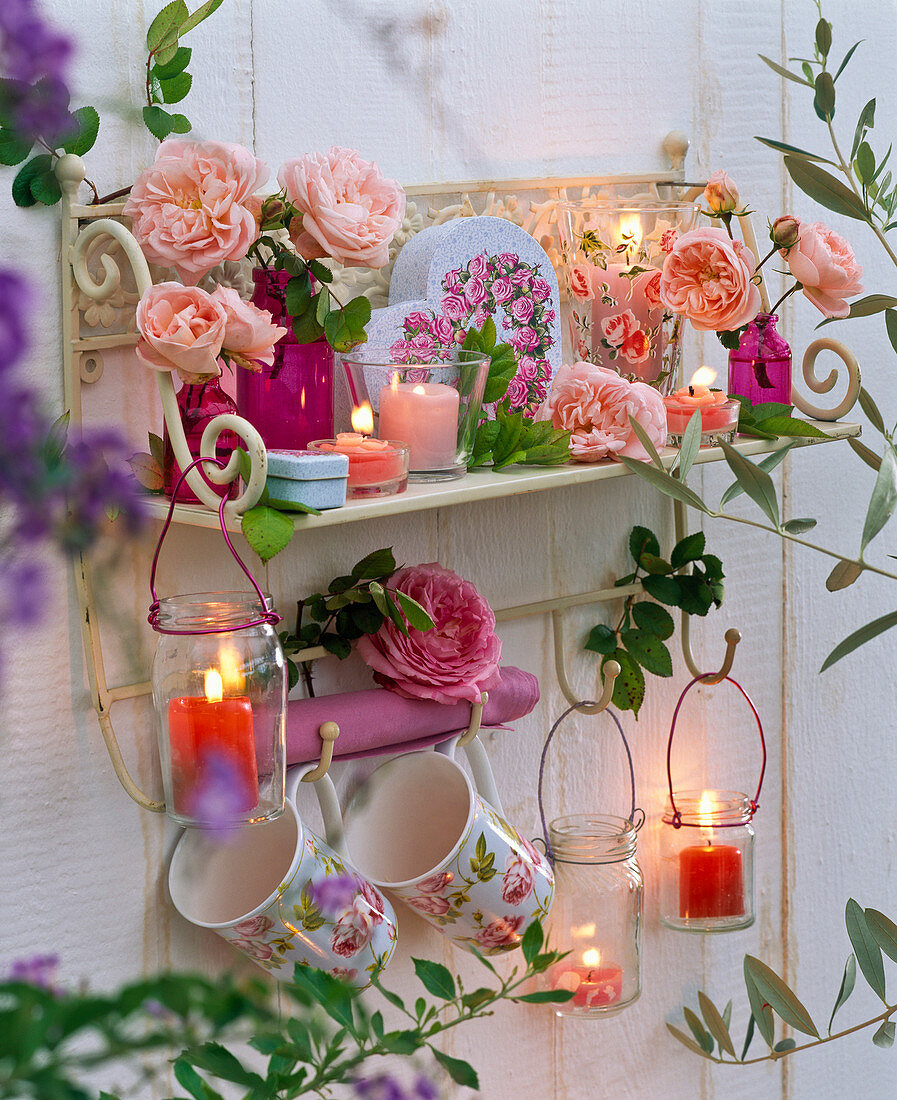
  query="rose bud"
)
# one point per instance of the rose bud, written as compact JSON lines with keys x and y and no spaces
{"x":785,"y":231}
{"x":721,"y":194}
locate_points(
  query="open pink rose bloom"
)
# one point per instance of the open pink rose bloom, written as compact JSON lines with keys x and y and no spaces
{"x":457,"y":659}
{"x":707,"y":277}
{"x":825,"y":266}
{"x":181,"y":329}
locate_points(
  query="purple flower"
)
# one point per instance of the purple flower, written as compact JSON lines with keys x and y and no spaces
{"x":386,"y":1087}
{"x":34,"y":58}
{"x":15,"y":301}
{"x":218,"y":801}
{"x":333,"y":894}
{"x":39,"y":970}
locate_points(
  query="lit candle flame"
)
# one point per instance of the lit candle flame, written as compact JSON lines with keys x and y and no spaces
{"x":363,"y":419}
{"x":591,"y":957}
{"x":214,"y":688}
{"x":705,"y":809}
{"x":418,"y":389}
{"x":394,"y":382}
{"x":584,"y":931}
{"x":231,"y":678}
{"x":703,"y":376}
{"x":630,"y":232}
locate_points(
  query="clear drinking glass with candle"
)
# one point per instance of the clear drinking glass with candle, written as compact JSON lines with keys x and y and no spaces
{"x":433,"y":408}
{"x":613,"y":253}
{"x":596,"y":915}
{"x":719,"y":414}
{"x":707,"y":876}
{"x":377,"y":467}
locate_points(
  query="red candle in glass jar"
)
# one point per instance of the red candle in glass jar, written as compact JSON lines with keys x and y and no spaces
{"x":711,"y":881}
{"x":592,"y":985}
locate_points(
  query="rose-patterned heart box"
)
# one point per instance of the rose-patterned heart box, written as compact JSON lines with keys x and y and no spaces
{"x":453,"y":276}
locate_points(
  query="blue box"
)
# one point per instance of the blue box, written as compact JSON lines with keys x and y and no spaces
{"x":304,"y":477}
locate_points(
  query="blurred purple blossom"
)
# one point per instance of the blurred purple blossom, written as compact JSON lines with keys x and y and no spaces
{"x":34,"y":59}
{"x":386,"y":1087}
{"x":39,"y":970}
{"x":333,"y":894}
{"x":218,"y":802}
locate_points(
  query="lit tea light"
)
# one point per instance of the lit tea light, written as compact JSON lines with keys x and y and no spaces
{"x":719,"y":414}
{"x":363,"y":419}
{"x":377,"y":467}
{"x":592,"y":985}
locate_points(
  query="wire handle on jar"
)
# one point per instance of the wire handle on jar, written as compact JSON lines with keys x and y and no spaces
{"x":636,"y":814}
{"x":676,"y":818}
{"x":270,"y":617}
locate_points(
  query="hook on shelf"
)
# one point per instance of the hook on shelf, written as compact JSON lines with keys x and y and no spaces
{"x":328,"y":732}
{"x":476,"y":719}
{"x":611,"y":670}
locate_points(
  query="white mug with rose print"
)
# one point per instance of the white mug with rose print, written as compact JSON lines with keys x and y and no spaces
{"x":420,"y":830}
{"x":265,"y":889}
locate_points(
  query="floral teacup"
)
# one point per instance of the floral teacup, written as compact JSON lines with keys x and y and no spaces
{"x":418,"y":829}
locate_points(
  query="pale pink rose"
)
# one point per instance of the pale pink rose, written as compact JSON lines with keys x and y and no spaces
{"x":668,"y":239}
{"x":636,"y":348}
{"x":451,"y":281}
{"x":250,"y":335}
{"x":595,"y":403}
{"x":431,"y":904}
{"x":194,"y":208}
{"x":502,"y":289}
{"x":521,"y":309}
{"x":457,"y":659}
{"x":181,"y":328}
{"x":255,"y":949}
{"x":423,"y":343}
{"x":707,"y":277}
{"x":443,"y":329}
{"x":721,"y":194}
{"x":412,"y":375}
{"x":454,"y":307}
{"x":528,"y":369}
{"x":352,"y":932}
{"x":582,"y":348}
{"x":478,"y":267}
{"x":400,"y":350}
{"x":517,"y":884}
{"x":824,"y":264}
{"x":475,"y":291}
{"x":500,"y":933}
{"x":649,"y":285}
{"x":255,"y":926}
{"x":435,"y":884}
{"x":348,"y":206}
{"x":418,"y":319}
{"x":308,"y":247}
{"x":581,"y":282}
{"x":517,"y":393}
{"x":541,"y":289}
{"x":619,"y":327}
{"x":344,"y":974}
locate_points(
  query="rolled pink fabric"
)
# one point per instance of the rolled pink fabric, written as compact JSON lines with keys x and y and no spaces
{"x":370,"y":721}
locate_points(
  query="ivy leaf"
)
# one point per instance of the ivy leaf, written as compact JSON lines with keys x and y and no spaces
{"x":649,"y":651}
{"x":158,"y":122}
{"x":776,"y":993}
{"x":865,"y":947}
{"x":436,"y":978}
{"x":602,"y":640}
{"x":176,"y":88}
{"x":653,"y":618}
{"x":13,"y":150}
{"x":266,"y":530}
{"x":848,"y":981}
{"x":462,"y":1073}
{"x":88,"y":127}
{"x":336,"y":645}
{"x":825,"y":189}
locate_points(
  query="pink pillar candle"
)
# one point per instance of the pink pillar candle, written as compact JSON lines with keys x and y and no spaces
{"x":425,"y":416}
{"x":591,"y":986}
{"x":375,"y":465}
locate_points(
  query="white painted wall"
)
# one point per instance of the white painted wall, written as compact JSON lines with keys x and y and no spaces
{"x":452,"y":90}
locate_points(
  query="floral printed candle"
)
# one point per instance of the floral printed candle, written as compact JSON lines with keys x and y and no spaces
{"x":719,"y":414}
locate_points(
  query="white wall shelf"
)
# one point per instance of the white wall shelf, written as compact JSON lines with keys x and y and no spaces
{"x":486,"y":485}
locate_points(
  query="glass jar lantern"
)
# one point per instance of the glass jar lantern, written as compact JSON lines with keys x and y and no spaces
{"x":707,"y":849}
{"x":220,"y":693}
{"x":596,"y":915}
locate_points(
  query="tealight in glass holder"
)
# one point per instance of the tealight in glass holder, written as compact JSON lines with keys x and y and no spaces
{"x":433,"y":408}
{"x":719,"y":414}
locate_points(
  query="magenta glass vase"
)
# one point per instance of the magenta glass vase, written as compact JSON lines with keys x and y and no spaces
{"x":760,"y":368}
{"x":290,"y":403}
{"x":198,"y":405}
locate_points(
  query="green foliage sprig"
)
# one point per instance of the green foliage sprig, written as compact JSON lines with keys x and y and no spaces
{"x":355,"y":604}
{"x":771,"y":419}
{"x":322,"y":1036}
{"x":637,"y":642}
{"x":511,"y":438}
{"x":871,"y":933}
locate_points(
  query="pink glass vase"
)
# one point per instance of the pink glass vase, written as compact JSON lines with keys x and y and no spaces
{"x":760,"y":368}
{"x":199,"y":405}
{"x":290,"y":403}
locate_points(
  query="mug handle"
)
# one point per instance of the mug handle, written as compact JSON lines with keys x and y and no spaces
{"x":478,"y":758}
{"x":327,"y":800}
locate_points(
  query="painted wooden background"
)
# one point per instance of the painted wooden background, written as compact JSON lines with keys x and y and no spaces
{"x":460,"y":89}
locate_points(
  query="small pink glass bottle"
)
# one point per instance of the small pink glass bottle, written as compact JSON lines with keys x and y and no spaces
{"x":198,"y":405}
{"x":291,"y":402}
{"x":760,"y":368}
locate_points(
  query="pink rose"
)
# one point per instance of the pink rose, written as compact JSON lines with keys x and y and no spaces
{"x":422,"y":344}
{"x":344,"y":974}
{"x":517,"y":393}
{"x":348,"y":206}
{"x":443,"y":329}
{"x":255,"y":949}
{"x":422,"y":375}
{"x":370,"y":898}
{"x":418,"y":319}
{"x":707,"y":277}
{"x":636,"y":347}
{"x":517,"y":884}
{"x":454,"y":307}
{"x":250,"y":335}
{"x":785,"y":232}
{"x":522,"y":277}
{"x":457,"y":659}
{"x":475,"y":291}
{"x":353,"y":931}
{"x":581,"y":282}
{"x":181,"y":328}
{"x":400,"y":350}
{"x":721,"y":194}
{"x":435,"y":884}
{"x":549,"y":316}
{"x":478,"y":267}
{"x":824,"y":263}
{"x":451,"y":281}
{"x":668,"y":239}
{"x":619,"y":327}
{"x":481,"y":315}
{"x":500,"y":933}
{"x":431,"y":904}
{"x":508,"y":259}
{"x":541,"y":289}
{"x":524,"y":338}
{"x":193,"y":208}
{"x":502,"y":289}
{"x":595,"y":403}
{"x":649,"y":284}
{"x":528,"y":369}
{"x":255,"y":926}
{"x":521,"y":309}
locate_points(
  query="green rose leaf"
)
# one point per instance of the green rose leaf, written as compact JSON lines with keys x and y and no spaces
{"x":629,"y":686}
{"x":664,"y":589}
{"x":418,"y":617}
{"x":167,"y":23}
{"x":45,"y":188}
{"x":176,"y":65}
{"x":201,"y":13}
{"x":321,"y":273}
{"x":688,"y":549}
{"x":267,"y":531}
{"x":292,"y":506}
{"x":88,"y":121}
{"x":654,"y":619}
{"x":32,"y":170}
{"x":651,"y":563}
{"x":649,"y":651}
{"x":380,"y":563}
{"x":12,"y":149}
{"x":641,"y":540}
{"x":158,"y":122}
{"x":602,"y":640}
{"x":176,"y":88}
{"x":298,"y":296}
{"x":436,"y":978}
{"x":502,"y":368}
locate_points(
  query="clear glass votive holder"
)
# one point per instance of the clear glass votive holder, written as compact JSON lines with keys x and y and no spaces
{"x":433,"y":407}
{"x":377,"y":467}
{"x":719,"y":420}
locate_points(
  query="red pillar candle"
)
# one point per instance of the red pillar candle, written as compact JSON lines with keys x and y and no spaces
{"x":711,"y":881}
{"x":207,"y":729}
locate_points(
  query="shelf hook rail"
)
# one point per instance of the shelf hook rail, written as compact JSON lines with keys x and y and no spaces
{"x":611,"y":669}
